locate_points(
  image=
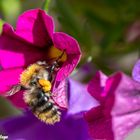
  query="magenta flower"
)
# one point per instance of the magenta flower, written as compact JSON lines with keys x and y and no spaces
{"x":33,"y":40}
{"x":119,"y":110}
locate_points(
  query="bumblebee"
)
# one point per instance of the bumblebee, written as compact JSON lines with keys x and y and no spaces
{"x":37,"y":81}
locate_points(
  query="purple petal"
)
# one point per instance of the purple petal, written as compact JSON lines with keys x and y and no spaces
{"x":71,"y":47}
{"x":136,"y":71}
{"x":36,"y":27}
{"x":80,"y":100}
{"x":29,"y":128}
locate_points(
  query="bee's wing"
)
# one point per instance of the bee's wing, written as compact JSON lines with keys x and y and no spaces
{"x":14,"y":90}
{"x":59,"y":94}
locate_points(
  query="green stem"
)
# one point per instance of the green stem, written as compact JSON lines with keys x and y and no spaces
{"x":45,"y":5}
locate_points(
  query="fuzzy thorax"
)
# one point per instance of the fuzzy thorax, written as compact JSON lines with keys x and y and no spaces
{"x":27,"y":74}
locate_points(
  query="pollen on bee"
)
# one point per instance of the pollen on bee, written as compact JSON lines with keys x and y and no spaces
{"x":47,"y":117}
{"x":53,"y":120}
{"x":27,"y":74}
{"x":46,"y":85}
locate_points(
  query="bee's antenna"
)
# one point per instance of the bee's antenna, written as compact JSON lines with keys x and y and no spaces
{"x":55,"y":65}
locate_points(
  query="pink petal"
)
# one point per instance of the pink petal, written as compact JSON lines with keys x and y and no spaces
{"x":99,"y":126}
{"x":126,"y":124}
{"x":65,"y":42}
{"x":136,"y":71}
{"x":8,"y":78}
{"x":96,"y":86}
{"x":125,"y":108}
{"x":60,"y":94}
{"x":36,"y":27}
{"x":123,"y":94}
{"x":112,"y":84}
{"x":17,"y":100}
{"x":119,"y":114}
{"x":15,"y":52}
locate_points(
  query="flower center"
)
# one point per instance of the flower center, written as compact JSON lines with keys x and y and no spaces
{"x":55,"y":53}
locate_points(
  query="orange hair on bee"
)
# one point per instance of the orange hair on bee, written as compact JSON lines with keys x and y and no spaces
{"x":27,"y":74}
{"x":48,"y":118}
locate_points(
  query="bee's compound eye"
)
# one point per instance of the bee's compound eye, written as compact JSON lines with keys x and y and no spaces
{"x":40,"y":94}
{"x":46,"y":98}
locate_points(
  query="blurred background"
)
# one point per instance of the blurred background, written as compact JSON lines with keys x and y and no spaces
{"x":108,"y":31}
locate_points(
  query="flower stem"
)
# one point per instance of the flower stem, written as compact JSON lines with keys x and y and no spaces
{"x":45,"y":5}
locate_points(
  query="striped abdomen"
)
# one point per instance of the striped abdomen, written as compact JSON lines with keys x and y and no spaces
{"x":42,"y":106}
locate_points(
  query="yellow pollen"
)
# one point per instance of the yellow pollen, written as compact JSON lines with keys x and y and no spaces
{"x":27,"y":74}
{"x":46,"y":85}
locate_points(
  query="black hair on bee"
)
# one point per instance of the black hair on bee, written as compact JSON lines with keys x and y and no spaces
{"x":42,"y":105}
